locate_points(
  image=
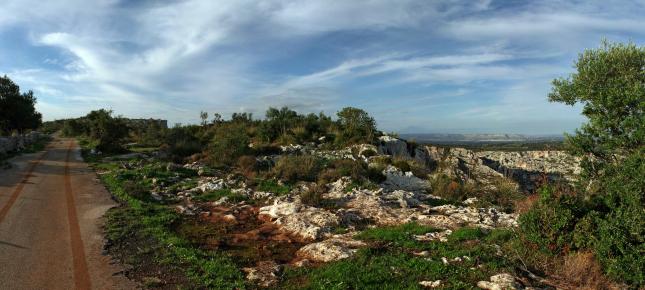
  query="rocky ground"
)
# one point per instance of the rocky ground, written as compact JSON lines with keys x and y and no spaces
{"x":269,"y":231}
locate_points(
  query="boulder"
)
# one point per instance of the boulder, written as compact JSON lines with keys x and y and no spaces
{"x":389,"y":145}
{"x":397,"y":179}
{"x":307,"y":222}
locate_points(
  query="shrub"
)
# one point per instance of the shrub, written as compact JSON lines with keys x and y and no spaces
{"x":452,"y":190}
{"x":550,"y":224}
{"x":228,"y":144}
{"x":297,"y":168}
{"x":621,"y":232}
{"x":313,"y":196}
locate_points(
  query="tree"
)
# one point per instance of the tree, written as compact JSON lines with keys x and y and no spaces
{"x":281,"y":120}
{"x":108,"y":131}
{"x":357,"y":125}
{"x":610,"y":83}
{"x":17,"y":111}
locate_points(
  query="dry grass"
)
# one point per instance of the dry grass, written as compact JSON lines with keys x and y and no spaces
{"x":524,"y":205}
{"x":247,"y":166}
{"x":581,"y":271}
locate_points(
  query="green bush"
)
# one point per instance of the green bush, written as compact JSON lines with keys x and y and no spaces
{"x":550,"y":223}
{"x":620,"y":245}
{"x":228,"y":144}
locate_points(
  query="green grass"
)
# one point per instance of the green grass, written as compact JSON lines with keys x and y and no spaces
{"x":271,"y":185}
{"x":389,"y":262}
{"x":217,"y":194}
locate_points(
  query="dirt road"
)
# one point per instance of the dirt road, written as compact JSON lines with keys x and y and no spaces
{"x":51,"y":206}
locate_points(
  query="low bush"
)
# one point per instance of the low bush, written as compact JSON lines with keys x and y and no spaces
{"x":313,"y":196}
{"x":297,"y":168}
{"x":135,"y":189}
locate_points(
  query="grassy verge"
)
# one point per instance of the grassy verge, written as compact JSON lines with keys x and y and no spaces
{"x":141,"y":233}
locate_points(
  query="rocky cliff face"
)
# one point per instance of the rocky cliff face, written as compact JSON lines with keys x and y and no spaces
{"x":527,"y":168}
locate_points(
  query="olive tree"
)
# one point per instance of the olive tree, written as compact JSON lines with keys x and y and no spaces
{"x":610,"y":84}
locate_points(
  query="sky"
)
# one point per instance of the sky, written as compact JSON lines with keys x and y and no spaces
{"x":416,"y":66}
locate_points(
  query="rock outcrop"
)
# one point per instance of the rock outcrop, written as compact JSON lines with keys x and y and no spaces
{"x":307,"y":222}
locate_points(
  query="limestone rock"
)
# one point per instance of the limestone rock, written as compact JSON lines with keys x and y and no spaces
{"x":434,"y":236}
{"x":502,"y":281}
{"x":304,"y":221}
{"x":389,"y":145}
{"x":396,"y":179}
{"x":336,"y":248}
{"x":430,"y":284}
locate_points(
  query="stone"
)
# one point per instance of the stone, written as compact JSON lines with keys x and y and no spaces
{"x":307,"y":222}
{"x":502,"y":281}
{"x":434,"y":236}
{"x":430,"y":284}
{"x":389,"y":145}
{"x":399,"y":180}
{"x":333,"y":249}
{"x":264,"y":274}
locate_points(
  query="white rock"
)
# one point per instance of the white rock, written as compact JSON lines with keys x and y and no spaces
{"x":502,"y":281}
{"x":430,"y":284}
{"x":434,"y":236}
{"x":333,"y":249}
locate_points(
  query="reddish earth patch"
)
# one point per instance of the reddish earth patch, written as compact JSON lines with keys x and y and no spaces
{"x":239,"y":232}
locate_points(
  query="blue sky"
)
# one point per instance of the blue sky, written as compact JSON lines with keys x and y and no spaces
{"x":416,"y":66}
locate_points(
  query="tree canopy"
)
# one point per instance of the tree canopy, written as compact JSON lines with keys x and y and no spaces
{"x":17,"y":110}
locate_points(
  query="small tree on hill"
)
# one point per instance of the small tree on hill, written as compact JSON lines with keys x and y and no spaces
{"x":357,"y":125}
